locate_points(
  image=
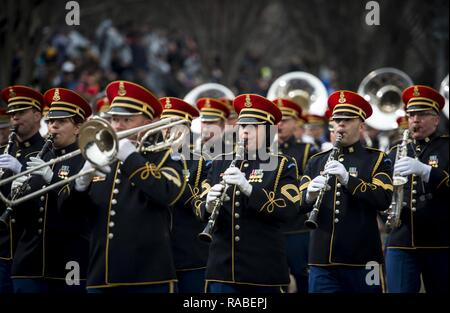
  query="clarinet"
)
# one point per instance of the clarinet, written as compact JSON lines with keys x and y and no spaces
{"x":311,"y":222}
{"x":9,"y":149}
{"x":17,"y":192}
{"x":206,"y":234}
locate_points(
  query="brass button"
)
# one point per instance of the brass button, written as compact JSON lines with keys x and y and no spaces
{"x":338,"y":185}
{"x":238,"y":192}
{"x":110,"y":235}
{"x":112,"y":213}
{"x":41,"y":209}
{"x":336,"y":220}
{"x":237,"y":204}
{"x":117,"y":181}
{"x":341,"y":159}
{"x":40,"y":220}
{"x":413,"y":209}
{"x":111,"y":224}
{"x":245,"y":164}
{"x":338,"y":202}
{"x":414,"y":192}
{"x":39,"y":231}
{"x":116,"y":191}
{"x":236,"y":215}
{"x":338,"y":194}
{"x":337,"y":211}
{"x":237,"y":227}
{"x":414,"y":182}
{"x":113,"y":201}
{"x":42,"y":198}
{"x":13,"y":220}
{"x":237,"y":238}
{"x":413,"y":200}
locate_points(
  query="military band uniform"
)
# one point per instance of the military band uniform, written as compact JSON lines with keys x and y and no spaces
{"x":18,"y":98}
{"x":51,"y":239}
{"x":189,"y":253}
{"x":247,"y":252}
{"x":347,"y":237}
{"x":128,"y":209}
{"x":297,"y":234}
{"x":420,"y":245}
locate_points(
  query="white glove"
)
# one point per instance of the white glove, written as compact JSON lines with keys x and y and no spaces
{"x":314,"y":187}
{"x":212,"y":195}
{"x":126,"y":147}
{"x":18,"y":182}
{"x":11,"y":163}
{"x":338,"y":169}
{"x":46,"y":172}
{"x":233,"y":176}
{"x":82,"y":183}
{"x":408,"y":166}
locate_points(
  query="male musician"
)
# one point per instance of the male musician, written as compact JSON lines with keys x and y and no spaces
{"x":421,"y":245}
{"x":213,"y":114}
{"x":53,"y":243}
{"x":130,"y":248}
{"x":189,"y":253}
{"x":24,"y":108}
{"x":359,"y":185}
{"x":4,"y":127}
{"x":315,"y":129}
{"x":297,"y":235}
{"x":247,"y":252}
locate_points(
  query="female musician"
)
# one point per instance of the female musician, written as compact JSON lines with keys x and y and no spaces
{"x":51,"y":255}
{"x":247,"y":252}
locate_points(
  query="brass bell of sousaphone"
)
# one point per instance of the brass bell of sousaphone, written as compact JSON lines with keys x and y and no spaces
{"x":303,"y":88}
{"x":383,"y":88}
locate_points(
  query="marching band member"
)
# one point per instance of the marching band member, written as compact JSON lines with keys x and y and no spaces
{"x":347,"y":236}
{"x":315,"y":130}
{"x":130,"y":248}
{"x":420,"y":244}
{"x":189,"y":253}
{"x":297,"y":234}
{"x":51,"y":240}
{"x":247,"y":252}
{"x":25,"y":112}
{"x":213,"y":114}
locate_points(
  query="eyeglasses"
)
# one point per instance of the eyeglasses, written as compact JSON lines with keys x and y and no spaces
{"x":420,"y":114}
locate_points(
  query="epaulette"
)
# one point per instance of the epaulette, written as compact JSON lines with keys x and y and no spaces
{"x":374,"y":149}
{"x":320,"y":153}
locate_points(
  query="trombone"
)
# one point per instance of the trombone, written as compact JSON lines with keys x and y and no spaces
{"x":99,"y":145}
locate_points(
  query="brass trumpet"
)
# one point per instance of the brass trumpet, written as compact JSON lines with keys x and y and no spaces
{"x":99,"y":145}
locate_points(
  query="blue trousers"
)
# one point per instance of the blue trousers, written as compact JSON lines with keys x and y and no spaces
{"x":192,"y":281}
{"x":341,"y":280}
{"x":41,"y":285}
{"x":156,"y":288}
{"x":297,"y":246}
{"x":6,"y":285}
{"x":216,"y":287}
{"x":404,"y":267}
